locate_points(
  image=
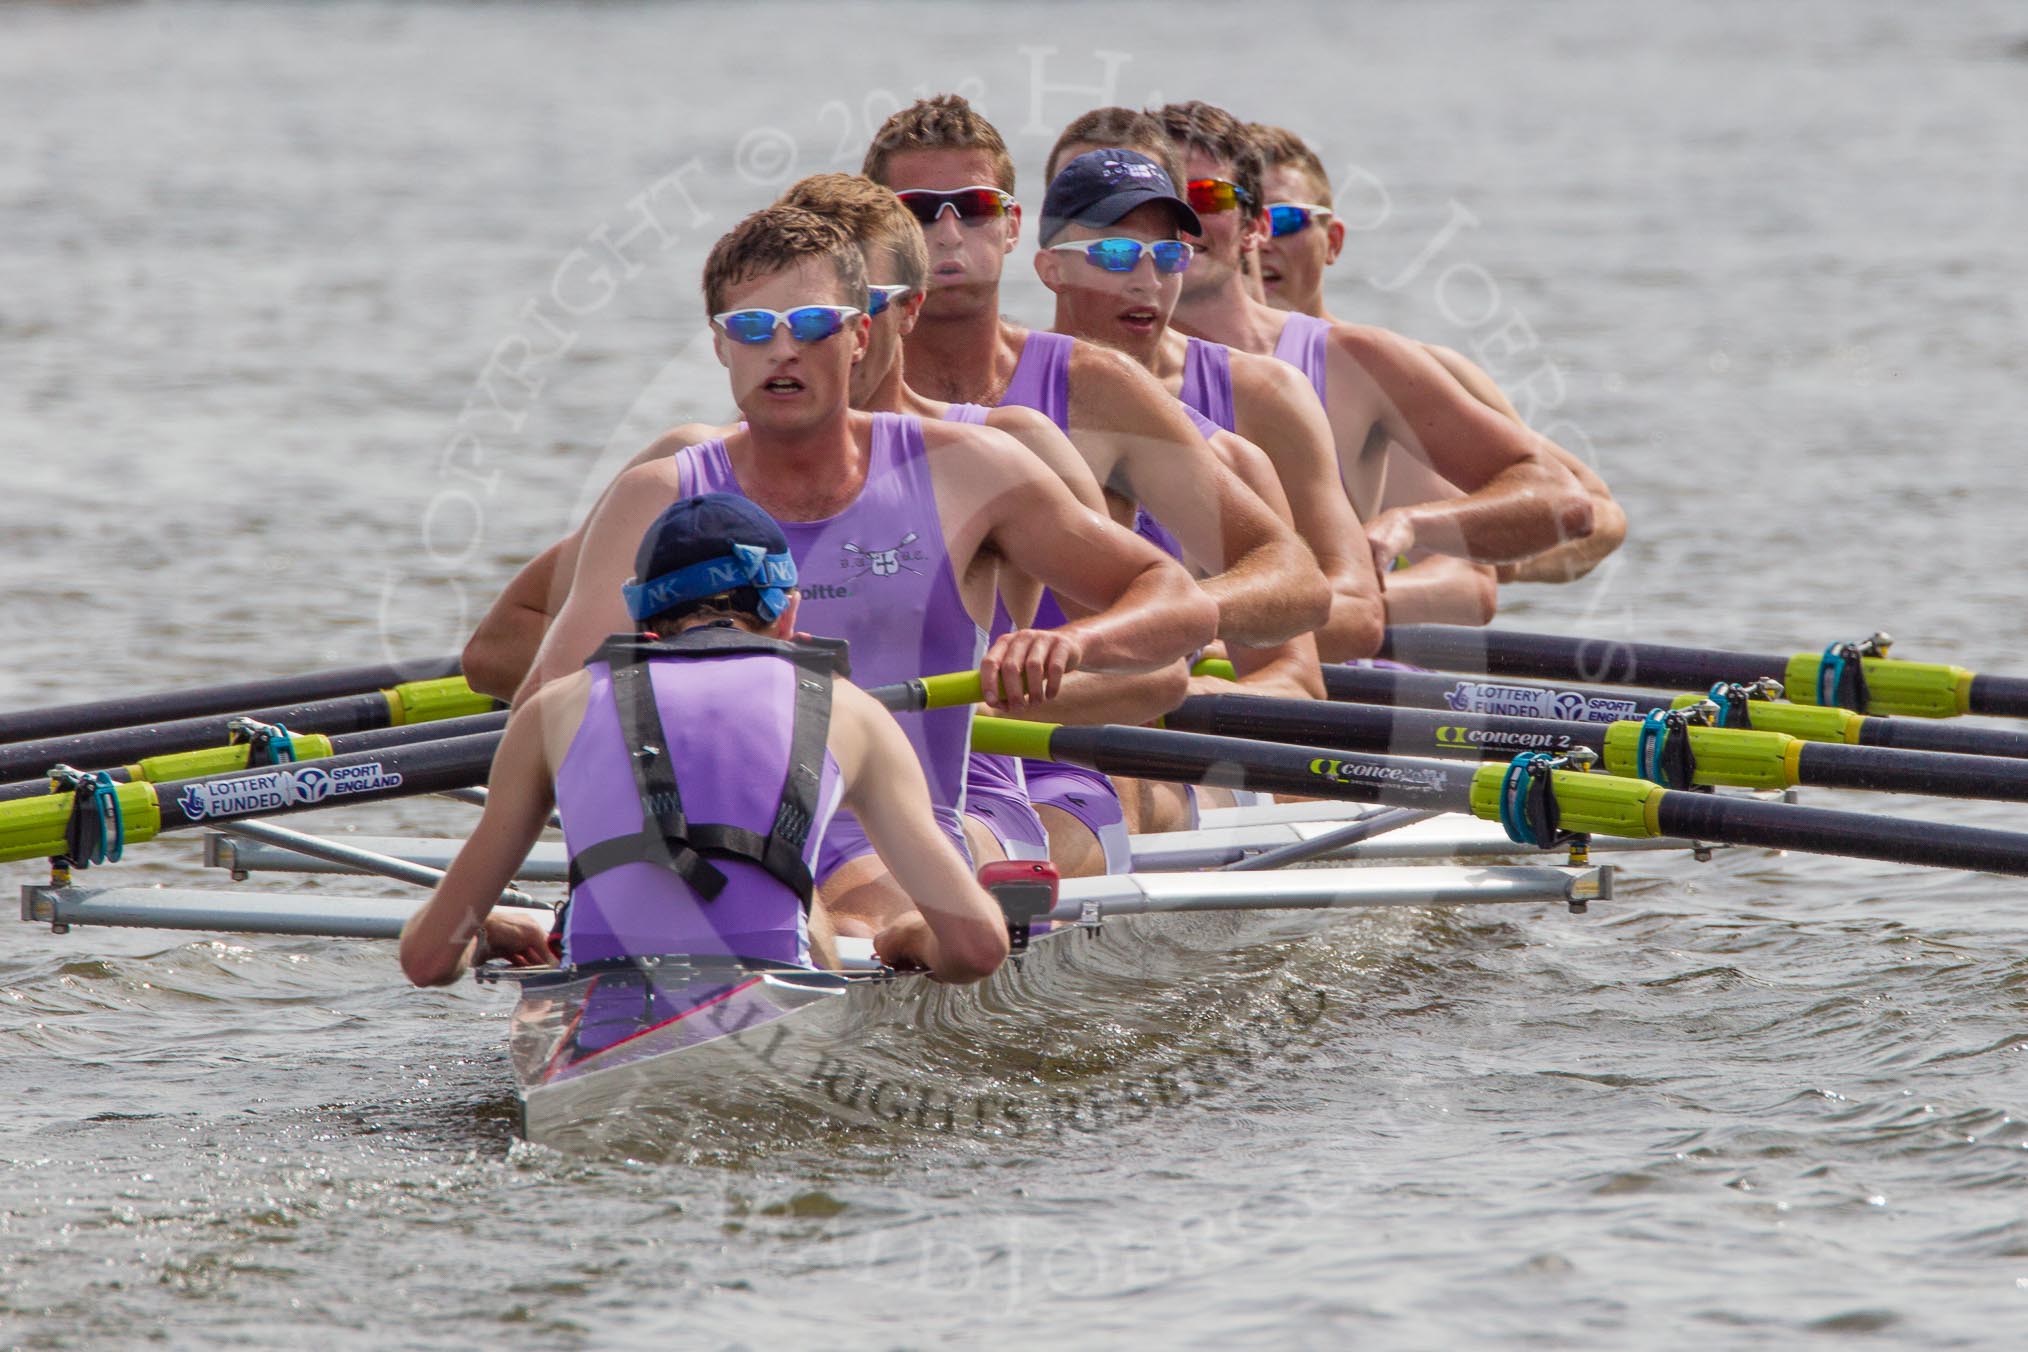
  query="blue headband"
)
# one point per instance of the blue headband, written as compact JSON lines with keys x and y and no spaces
{"x":747,"y":566}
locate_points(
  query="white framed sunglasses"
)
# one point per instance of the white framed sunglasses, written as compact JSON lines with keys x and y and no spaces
{"x":805,"y":323}
{"x":880,"y":295}
{"x":1119,"y":254}
{"x":1288,"y":218}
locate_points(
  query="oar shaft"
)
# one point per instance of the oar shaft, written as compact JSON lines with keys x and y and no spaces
{"x":1784,"y":826}
{"x":36,"y":828}
{"x":129,"y":710}
{"x":1578,"y":703}
{"x":1509,"y":652}
{"x":2000,"y":696}
{"x":165,"y":766}
{"x":1602,"y":804}
{"x":1227,"y":762}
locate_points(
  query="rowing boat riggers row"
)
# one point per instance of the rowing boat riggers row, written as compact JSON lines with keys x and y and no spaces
{"x":694,"y":796}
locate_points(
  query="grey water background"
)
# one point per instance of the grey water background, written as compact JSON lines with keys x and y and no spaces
{"x":316,"y":320}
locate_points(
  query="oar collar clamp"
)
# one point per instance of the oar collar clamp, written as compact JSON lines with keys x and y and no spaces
{"x":1528,"y":809}
{"x":97,"y":830}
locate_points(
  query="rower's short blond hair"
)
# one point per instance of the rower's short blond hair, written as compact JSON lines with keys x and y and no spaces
{"x":870,"y":214}
{"x":775,"y":239}
{"x":1201,"y":126}
{"x":1127,"y":128}
{"x":1281,"y":148}
{"x":940,"y":122}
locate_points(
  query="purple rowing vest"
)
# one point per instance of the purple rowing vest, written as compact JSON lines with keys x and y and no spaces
{"x":879,"y":576}
{"x":1302,"y":346}
{"x":1207,"y":381}
{"x":1042,"y":377}
{"x":728,"y":721}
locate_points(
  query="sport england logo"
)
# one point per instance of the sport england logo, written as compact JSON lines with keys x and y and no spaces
{"x":272,"y":790}
{"x":888,"y":562}
{"x":1527,"y":701}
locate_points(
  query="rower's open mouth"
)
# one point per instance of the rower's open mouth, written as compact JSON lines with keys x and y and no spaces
{"x":783,"y":385}
{"x":1140,"y":319}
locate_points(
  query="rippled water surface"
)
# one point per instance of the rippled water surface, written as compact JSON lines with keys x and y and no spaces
{"x":317,"y":320}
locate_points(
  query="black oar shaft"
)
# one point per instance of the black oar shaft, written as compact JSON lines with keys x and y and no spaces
{"x":357,"y":741}
{"x":1783,"y":826}
{"x":216,"y":699}
{"x":1573,"y":702}
{"x":1432,"y":690}
{"x":1150,"y":753}
{"x":339,"y":781}
{"x":1557,"y":657}
{"x":2001,"y":696}
{"x":1830,"y":765}
{"x":124,"y":746}
{"x":1366,"y":727}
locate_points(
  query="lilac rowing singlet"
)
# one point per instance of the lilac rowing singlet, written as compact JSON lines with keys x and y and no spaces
{"x":879,"y":575}
{"x":1302,"y":346}
{"x":1207,"y":381}
{"x":1042,"y":376}
{"x":728,"y":721}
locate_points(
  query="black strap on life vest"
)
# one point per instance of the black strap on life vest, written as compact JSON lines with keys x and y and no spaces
{"x":667,"y":837}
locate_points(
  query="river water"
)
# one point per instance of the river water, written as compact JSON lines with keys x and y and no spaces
{"x":317,"y":320}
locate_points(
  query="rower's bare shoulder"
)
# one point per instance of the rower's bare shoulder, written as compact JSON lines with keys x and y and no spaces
{"x":1090,"y":362}
{"x":971,"y":441}
{"x":1262,"y":378}
{"x":1382,"y":351}
{"x":1024,"y":424}
{"x":678,"y":438}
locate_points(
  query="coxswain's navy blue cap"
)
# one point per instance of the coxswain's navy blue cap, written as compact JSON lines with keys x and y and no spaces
{"x":1100,"y":186}
{"x":707,"y":546}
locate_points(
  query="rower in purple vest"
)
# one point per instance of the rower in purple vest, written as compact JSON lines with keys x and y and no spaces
{"x":1304,"y":237}
{"x":1112,"y":256}
{"x":1001,"y":822}
{"x":899,"y":527}
{"x":952,"y":170}
{"x":1517,"y":499}
{"x":698,"y":764}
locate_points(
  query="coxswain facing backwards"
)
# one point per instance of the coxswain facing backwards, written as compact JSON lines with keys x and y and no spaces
{"x":697,"y":765}
{"x":898,"y":526}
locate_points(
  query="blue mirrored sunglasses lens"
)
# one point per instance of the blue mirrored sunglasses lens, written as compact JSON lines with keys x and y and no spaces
{"x":750,"y":326}
{"x":876,"y":300}
{"x":1170,"y":255}
{"x":812,"y":323}
{"x":1115,"y":255}
{"x":1285,"y":220}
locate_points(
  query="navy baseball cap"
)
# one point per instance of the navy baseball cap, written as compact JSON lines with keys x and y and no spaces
{"x":1100,"y":186}
{"x":706,"y":546}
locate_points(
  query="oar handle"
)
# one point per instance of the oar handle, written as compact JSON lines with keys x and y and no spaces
{"x":947,"y":691}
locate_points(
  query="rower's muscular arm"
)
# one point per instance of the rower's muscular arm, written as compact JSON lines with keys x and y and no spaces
{"x":1144,"y":611}
{"x":1573,"y":558}
{"x":1287,"y":669}
{"x":886,"y":791}
{"x":1046,"y":441}
{"x":501,"y":650}
{"x":1519,"y":501}
{"x":594,"y":609}
{"x":1133,"y":432}
{"x":441,"y":940}
{"x":1278,"y":411}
